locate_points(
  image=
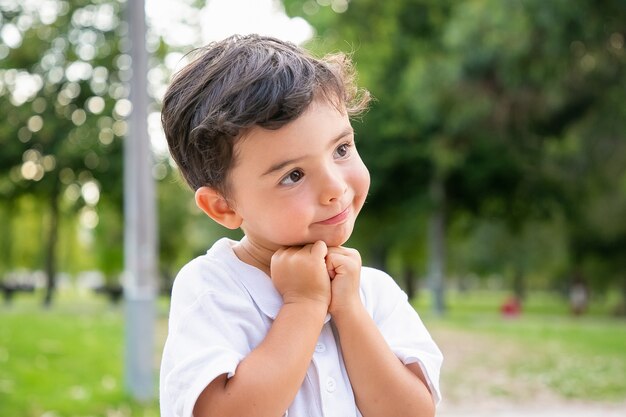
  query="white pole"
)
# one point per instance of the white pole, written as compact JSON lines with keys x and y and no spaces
{"x":140,"y":283}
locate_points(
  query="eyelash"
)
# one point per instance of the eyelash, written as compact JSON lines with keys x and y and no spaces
{"x":288,"y":177}
{"x":283,"y":181}
{"x":347,"y":146}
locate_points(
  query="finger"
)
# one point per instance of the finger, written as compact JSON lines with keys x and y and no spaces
{"x":341,"y":250}
{"x":330,"y":268}
{"x":337,"y":249}
{"x":346,"y":255}
{"x":319,"y":249}
{"x":276,"y":255}
{"x":336,"y":263}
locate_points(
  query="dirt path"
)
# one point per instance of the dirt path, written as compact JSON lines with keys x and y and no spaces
{"x":477,"y":382}
{"x":562,"y":410}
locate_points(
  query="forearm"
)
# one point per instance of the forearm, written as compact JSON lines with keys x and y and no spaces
{"x":382,"y":384}
{"x":268,"y":379}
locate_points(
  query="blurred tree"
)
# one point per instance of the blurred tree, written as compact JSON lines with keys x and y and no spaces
{"x":63,"y":83}
{"x":478,"y":105}
{"x":62,"y":90}
{"x":174,"y":221}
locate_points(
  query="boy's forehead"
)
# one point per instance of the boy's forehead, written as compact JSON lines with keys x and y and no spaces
{"x":321,"y":123}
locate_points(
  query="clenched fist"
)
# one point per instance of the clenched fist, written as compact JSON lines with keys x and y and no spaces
{"x":300,"y":274}
{"x":344,"y":270}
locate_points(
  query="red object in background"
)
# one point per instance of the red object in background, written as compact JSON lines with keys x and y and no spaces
{"x":511,"y":307}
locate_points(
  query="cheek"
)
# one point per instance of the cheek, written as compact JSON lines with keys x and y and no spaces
{"x":361,"y":180}
{"x":292,"y":210}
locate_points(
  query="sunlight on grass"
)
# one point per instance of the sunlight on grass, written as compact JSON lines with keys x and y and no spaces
{"x":544,"y":349}
{"x":66,"y":361}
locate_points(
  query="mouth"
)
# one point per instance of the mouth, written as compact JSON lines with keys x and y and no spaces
{"x":339,"y":218}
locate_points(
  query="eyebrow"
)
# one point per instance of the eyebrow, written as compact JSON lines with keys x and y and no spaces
{"x":280,"y":165}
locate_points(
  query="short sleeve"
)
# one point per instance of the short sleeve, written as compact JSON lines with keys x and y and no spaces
{"x":206,"y":339}
{"x":402,"y":327}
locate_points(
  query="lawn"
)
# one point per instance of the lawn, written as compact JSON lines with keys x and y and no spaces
{"x":543,"y":353}
{"x":67,"y":361}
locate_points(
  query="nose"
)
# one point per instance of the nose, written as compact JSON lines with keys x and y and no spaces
{"x":333,"y":185}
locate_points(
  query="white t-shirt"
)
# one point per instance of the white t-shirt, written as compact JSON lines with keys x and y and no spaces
{"x":222,"y":308}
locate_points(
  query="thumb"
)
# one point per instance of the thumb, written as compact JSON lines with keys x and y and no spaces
{"x":319,"y":249}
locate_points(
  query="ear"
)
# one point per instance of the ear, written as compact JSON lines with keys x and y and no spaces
{"x":216,"y":207}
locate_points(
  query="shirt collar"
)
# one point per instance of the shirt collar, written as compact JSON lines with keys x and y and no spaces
{"x":257,"y":283}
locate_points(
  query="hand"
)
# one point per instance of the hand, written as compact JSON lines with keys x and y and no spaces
{"x":299,"y":273}
{"x":344,"y":270}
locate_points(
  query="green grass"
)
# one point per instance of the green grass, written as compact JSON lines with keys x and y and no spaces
{"x":575,"y":357}
{"x":67,"y":361}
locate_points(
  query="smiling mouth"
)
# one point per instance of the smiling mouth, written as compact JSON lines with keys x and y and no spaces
{"x":339,"y":218}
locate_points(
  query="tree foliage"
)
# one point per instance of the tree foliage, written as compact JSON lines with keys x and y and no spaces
{"x":63,"y":89}
{"x":513,"y":106}
{"x":501,"y":121}
{"x":63,"y":93}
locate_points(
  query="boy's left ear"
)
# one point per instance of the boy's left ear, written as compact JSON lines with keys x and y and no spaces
{"x":216,"y":207}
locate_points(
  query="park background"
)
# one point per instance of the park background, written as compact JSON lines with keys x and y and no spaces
{"x":497,"y":149}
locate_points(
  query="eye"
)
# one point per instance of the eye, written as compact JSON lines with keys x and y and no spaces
{"x":293,"y":177}
{"x":342,"y":150}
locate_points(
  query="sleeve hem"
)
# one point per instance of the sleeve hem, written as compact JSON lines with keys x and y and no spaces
{"x":184,"y":398}
{"x":430,"y":373}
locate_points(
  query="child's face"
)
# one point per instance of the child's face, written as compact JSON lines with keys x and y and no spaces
{"x":301,"y":183}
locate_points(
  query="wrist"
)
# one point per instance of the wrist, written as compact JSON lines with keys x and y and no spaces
{"x":350,"y":311}
{"x":306,"y":304}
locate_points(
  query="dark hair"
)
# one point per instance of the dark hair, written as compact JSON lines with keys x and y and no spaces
{"x":239,"y":83}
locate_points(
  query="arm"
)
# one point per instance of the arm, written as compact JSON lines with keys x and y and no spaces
{"x":268,"y":379}
{"x":382,"y":384}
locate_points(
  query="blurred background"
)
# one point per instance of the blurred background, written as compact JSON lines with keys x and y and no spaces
{"x":497,"y":149}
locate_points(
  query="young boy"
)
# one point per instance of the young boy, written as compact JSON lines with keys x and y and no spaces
{"x":284,"y":321}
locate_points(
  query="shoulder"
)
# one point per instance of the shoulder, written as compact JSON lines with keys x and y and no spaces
{"x":208,"y":274}
{"x":204,"y":269}
{"x":374,"y":280}
{"x":379,"y":292}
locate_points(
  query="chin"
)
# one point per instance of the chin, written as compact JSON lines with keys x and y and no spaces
{"x":334,"y":241}
{"x":334,"y":238}
{"x":340,"y":236}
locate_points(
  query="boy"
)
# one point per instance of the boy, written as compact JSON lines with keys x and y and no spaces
{"x":285,"y":321}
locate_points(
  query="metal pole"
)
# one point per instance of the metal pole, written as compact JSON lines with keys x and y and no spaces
{"x":140,"y":284}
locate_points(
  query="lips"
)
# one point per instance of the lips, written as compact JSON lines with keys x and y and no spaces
{"x":339,"y":218}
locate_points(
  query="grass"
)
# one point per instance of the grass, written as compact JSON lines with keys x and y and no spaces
{"x":545,"y":348}
{"x":67,"y":361}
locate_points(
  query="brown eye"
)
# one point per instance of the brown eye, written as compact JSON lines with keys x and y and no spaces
{"x":342,"y":151}
{"x":293,"y":177}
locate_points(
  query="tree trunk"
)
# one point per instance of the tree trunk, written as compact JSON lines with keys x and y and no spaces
{"x":519,"y":283}
{"x":409,"y":282}
{"x":436,"y":245}
{"x":51,"y":245}
{"x":620,"y":310}
{"x":379,"y":257}
{"x":6,"y":241}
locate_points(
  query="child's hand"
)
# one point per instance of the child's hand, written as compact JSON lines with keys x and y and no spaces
{"x":344,"y":269}
{"x":299,"y":273}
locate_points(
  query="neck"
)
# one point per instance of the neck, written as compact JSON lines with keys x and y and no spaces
{"x":253,"y":254}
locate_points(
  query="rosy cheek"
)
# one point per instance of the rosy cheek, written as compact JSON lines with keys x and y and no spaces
{"x":362,"y":179}
{"x":367,"y":180}
{"x":297,"y":206}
